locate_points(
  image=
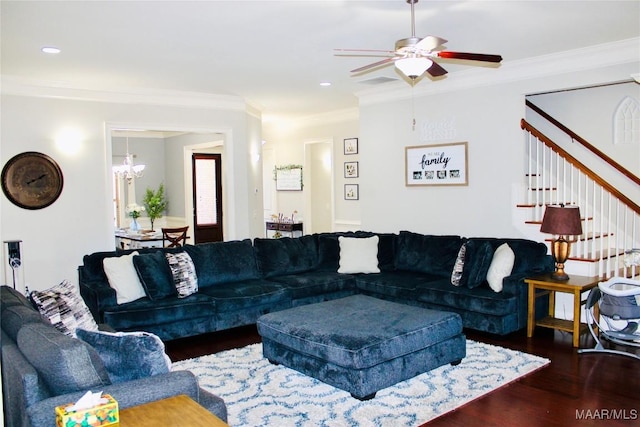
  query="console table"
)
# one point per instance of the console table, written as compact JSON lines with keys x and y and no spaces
{"x":178,"y":410}
{"x":293,"y":228}
{"x":545,"y":285}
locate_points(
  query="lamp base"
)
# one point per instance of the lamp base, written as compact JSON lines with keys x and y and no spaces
{"x":560,"y":251}
{"x":560,"y":275}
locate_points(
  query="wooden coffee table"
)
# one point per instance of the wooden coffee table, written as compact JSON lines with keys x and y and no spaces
{"x":176,"y":411}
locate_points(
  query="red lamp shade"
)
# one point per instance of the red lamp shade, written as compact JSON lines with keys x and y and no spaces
{"x":562,"y":220}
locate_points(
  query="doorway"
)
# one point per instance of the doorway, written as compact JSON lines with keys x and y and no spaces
{"x":318,"y":189}
{"x":207,"y":197}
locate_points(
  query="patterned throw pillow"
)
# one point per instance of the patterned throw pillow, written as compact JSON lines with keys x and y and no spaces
{"x":63,"y":306}
{"x":458,"y":267}
{"x":184,"y":273}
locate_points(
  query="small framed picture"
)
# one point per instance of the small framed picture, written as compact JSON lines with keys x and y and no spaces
{"x":351,"y":146}
{"x":351,"y":192}
{"x":350,"y":169}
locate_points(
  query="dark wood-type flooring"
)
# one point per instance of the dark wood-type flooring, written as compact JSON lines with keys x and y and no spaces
{"x":574,"y":390}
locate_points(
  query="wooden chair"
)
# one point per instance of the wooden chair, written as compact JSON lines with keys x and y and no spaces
{"x":174,"y":237}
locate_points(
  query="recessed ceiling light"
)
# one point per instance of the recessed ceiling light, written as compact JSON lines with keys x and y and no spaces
{"x":325,"y":84}
{"x":50,"y":49}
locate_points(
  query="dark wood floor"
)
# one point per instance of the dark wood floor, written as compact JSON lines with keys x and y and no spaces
{"x":574,"y":390}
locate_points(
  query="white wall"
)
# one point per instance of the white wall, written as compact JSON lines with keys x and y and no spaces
{"x":285,"y":141}
{"x":56,"y":238}
{"x":487,"y":116}
{"x":589,"y":112}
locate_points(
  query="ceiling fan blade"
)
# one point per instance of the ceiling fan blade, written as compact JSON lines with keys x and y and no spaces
{"x":374,"y":65}
{"x":430,"y":43}
{"x":436,"y":70}
{"x":469,"y":56}
{"x":391,"y":52}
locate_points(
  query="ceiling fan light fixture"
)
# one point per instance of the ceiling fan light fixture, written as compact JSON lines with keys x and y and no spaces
{"x":413,"y":66}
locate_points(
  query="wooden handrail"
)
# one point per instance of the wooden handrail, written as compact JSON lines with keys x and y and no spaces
{"x":586,"y":144}
{"x":595,"y":177}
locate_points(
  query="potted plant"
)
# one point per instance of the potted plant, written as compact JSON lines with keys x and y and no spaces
{"x":155,"y":203}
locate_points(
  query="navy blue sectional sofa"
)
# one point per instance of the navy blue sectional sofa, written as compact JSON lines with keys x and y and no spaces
{"x":238,"y":281}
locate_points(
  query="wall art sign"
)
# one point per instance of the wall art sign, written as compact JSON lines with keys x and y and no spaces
{"x":351,"y":192}
{"x":438,"y":164}
{"x":351,"y":146}
{"x":351,"y":169}
{"x":288,"y":178}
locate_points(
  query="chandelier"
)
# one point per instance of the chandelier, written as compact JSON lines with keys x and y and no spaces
{"x":128,"y":170}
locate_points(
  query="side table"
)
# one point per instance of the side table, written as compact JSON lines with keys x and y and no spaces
{"x":176,"y":411}
{"x":544,"y":285}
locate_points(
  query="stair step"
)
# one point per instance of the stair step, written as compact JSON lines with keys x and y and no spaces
{"x":596,"y":256}
{"x":539,"y":222}
{"x":586,"y":236}
{"x":535,"y":205}
{"x":624,"y":272}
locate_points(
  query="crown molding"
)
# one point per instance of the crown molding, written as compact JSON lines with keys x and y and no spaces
{"x":592,"y":57}
{"x":21,"y":86}
{"x":336,"y":116}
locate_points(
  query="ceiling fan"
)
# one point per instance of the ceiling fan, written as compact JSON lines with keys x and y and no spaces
{"x":414,"y":56}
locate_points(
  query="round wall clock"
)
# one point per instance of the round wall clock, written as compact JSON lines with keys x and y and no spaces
{"x":32,"y":180}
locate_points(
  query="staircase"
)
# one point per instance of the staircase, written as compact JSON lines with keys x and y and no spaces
{"x":611,"y":220}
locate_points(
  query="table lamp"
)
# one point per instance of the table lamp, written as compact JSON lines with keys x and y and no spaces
{"x":561,"y":221}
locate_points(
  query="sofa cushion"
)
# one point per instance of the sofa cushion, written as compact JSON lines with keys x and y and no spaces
{"x":128,"y":355}
{"x":501,"y":266}
{"x":277,"y":257}
{"x":135,"y":316}
{"x":427,"y":253}
{"x":396,"y":284}
{"x":329,"y":249}
{"x":478,"y":258}
{"x":358,"y":255}
{"x":530,"y":256}
{"x":155,"y":275}
{"x":92,"y":264}
{"x":314,"y":283}
{"x":183,"y":273}
{"x":65,"y":309}
{"x":223,"y":262}
{"x":9,"y":297}
{"x":123,"y":277}
{"x":439,"y":294}
{"x":242,"y":295}
{"x":14,"y":317}
{"x":65,"y":364}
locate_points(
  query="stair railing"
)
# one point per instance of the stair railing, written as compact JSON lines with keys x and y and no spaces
{"x":611,"y":221}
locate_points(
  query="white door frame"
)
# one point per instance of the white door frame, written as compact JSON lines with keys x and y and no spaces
{"x":306,"y":179}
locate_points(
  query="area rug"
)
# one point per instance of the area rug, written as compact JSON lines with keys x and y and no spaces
{"x":258,"y":393}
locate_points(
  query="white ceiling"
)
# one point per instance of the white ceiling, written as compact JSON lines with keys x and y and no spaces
{"x":274,"y":54}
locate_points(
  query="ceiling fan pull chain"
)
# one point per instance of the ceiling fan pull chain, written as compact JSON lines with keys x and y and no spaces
{"x":413,"y":106}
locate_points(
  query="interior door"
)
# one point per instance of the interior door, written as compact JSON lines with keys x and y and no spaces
{"x":207,"y":197}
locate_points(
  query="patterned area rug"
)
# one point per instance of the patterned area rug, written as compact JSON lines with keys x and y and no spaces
{"x":258,"y":393}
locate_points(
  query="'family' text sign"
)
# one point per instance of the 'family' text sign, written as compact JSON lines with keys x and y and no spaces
{"x":440,"y":164}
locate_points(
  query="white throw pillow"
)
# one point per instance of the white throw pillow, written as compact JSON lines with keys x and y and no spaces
{"x":123,"y":277}
{"x":358,"y":255}
{"x":501,"y":266}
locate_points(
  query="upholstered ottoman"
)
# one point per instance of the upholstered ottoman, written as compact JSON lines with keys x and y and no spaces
{"x":362,"y":344}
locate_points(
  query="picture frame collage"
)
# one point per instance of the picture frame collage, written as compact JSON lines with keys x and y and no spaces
{"x":351,"y":170}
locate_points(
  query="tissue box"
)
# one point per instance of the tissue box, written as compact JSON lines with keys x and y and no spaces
{"x":101,"y":415}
